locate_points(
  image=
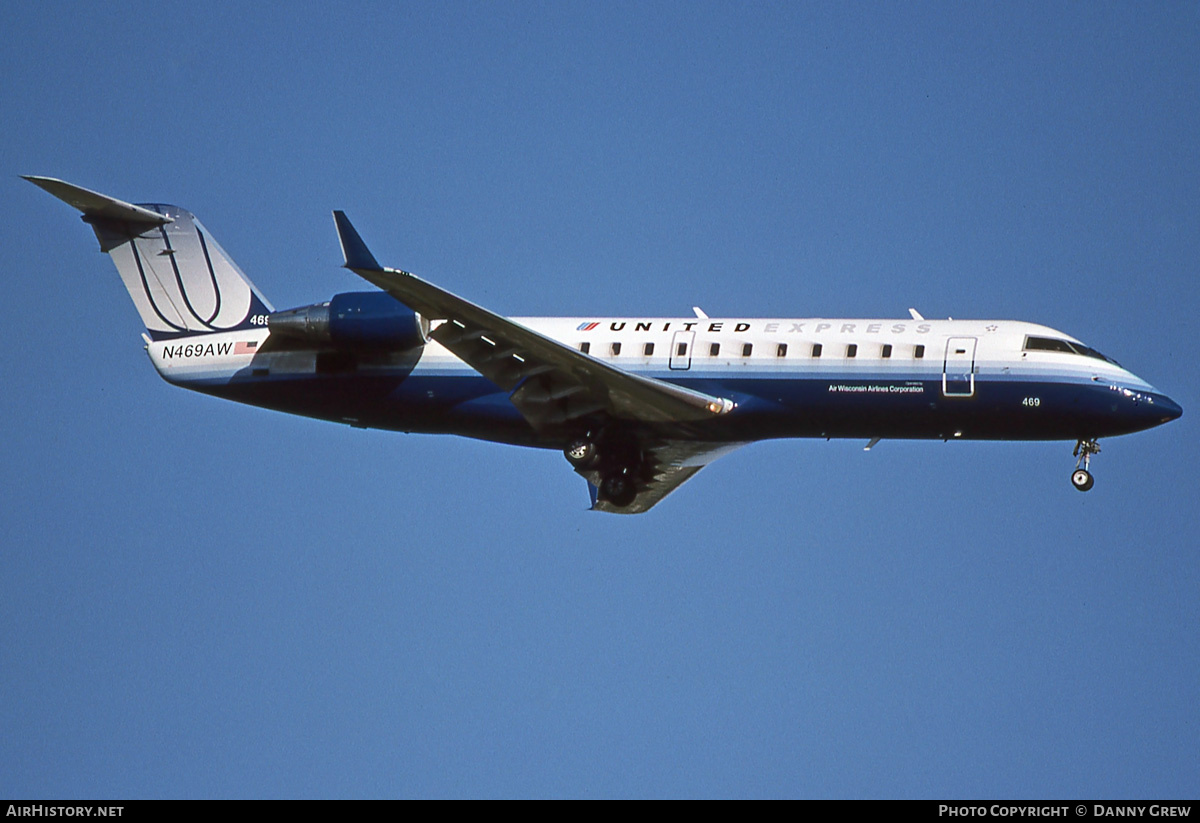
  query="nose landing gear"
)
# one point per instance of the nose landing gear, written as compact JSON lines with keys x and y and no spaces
{"x":1082,"y":478}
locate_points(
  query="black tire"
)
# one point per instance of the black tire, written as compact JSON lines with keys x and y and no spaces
{"x":618,"y":489}
{"x":581,"y":453}
{"x":1082,"y":479}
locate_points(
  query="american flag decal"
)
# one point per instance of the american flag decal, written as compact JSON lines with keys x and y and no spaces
{"x":246,"y":348}
{"x":587,"y":326}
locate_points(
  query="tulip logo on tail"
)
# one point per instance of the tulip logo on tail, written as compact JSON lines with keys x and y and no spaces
{"x":182,"y":281}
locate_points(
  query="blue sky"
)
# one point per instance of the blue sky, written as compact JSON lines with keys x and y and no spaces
{"x":204,"y":599}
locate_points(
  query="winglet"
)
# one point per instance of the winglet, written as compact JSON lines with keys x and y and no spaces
{"x":358,"y":256}
{"x":93,"y":204}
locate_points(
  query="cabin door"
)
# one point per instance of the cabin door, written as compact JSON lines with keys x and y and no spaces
{"x":958,"y":369}
{"x":681,"y":350}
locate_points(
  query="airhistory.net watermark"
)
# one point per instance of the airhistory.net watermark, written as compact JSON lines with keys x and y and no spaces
{"x":42,"y":810}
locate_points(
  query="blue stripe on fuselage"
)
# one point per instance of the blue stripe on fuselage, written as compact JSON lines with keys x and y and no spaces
{"x":771,"y":403}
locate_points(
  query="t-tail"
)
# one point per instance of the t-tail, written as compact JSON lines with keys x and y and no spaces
{"x":181,"y":281}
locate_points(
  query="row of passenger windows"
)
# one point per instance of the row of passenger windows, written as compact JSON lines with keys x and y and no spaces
{"x":781,"y":350}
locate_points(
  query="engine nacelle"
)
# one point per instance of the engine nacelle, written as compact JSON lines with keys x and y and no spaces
{"x":353,"y":320}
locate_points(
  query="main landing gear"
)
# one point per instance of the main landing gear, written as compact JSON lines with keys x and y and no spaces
{"x":582,"y":453}
{"x":619,"y":488}
{"x":617,"y":460}
{"x":1082,"y":478}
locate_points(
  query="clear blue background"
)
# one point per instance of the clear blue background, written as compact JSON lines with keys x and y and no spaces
{"x":204,"y":599}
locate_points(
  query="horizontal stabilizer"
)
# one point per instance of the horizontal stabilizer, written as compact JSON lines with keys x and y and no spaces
{"x":94,"y":204}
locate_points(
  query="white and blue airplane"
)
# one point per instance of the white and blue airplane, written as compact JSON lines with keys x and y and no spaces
{"x":637,"y":405}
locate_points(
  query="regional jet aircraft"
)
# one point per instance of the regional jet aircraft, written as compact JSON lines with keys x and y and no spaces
{"x":637,"y":405}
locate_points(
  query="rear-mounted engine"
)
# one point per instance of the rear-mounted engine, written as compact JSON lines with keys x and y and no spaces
{"x":372,"y":320}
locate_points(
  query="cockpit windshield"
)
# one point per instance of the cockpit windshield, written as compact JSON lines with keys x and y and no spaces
{"x":1053,"y":344}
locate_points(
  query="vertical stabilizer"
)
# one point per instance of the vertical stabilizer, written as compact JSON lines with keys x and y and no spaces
{"x":181,"y":280}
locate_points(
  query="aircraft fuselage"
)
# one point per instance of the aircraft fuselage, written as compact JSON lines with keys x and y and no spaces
{"x":812,"y":377}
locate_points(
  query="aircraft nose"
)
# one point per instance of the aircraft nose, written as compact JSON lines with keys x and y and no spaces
{"x":1167,"y":408}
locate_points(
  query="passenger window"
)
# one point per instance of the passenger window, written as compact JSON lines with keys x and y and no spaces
{"x":852,"y":350}
{"x":648,"y":349}
{"x":585,"y":347}
{"x":887,"y":350}
{"x":816,"y":350}
{"x":681,"y":350}
{"x":714,"y":349}
{"x":746,"y":349}
{"x":918,"y":352}
{"x":616,"y":349}
{"x":781,"y":350}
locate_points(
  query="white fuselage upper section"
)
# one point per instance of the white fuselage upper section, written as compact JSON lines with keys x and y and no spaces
{"x":768,"y":348}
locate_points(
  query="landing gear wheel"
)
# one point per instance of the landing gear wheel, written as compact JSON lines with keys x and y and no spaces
{"x":581,"y":453}
{"x":618,"y":489}
{"x":1082,"y":478}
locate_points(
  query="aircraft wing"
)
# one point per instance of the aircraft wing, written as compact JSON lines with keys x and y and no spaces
{"x":668,"y":465}
{"x":550,"y":383}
